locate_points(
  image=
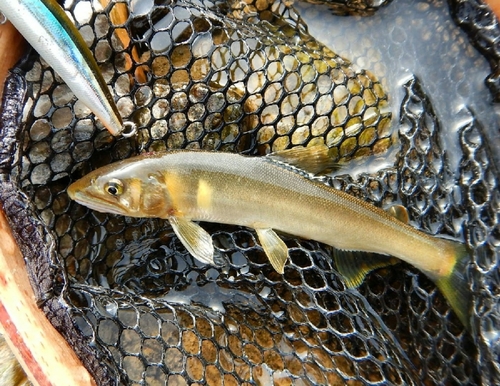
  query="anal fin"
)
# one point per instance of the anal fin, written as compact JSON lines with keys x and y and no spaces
{"x":354,"y":266}
{"x":196,"y":239}
{"x":274,"y":247}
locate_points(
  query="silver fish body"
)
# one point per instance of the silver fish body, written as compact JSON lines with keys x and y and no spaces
{"x":260,"y":193}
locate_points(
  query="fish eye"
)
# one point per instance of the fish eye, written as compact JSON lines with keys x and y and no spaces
{"x":114,"y":187}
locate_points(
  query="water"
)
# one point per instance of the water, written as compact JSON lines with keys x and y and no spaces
{"x":412,"y":37}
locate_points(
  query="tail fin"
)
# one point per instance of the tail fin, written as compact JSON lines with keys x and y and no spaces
{"x":455,"y":286}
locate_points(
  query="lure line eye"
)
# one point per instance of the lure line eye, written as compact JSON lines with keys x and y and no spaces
{"x":114,"y":187}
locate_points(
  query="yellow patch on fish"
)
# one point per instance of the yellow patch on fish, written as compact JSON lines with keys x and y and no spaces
{"x":204,"y":195}
{"x":135,"y":189}
{"x":175,"y":188}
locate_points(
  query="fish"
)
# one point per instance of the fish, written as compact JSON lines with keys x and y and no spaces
{"x":271,"y":194}
{"x":45,"y":25}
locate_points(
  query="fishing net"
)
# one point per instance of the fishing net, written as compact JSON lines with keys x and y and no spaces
{"x":248,"y":77}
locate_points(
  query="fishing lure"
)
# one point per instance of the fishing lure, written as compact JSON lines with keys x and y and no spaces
{"x":45,"y":25}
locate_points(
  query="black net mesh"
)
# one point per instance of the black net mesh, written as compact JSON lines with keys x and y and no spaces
{"x":248,"y":77}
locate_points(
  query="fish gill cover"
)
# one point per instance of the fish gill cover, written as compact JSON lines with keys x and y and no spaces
{"x":250,"y":78}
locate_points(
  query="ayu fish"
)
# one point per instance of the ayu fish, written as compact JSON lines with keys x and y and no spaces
{"x":45,"y":25}
{"x":270,"y":194}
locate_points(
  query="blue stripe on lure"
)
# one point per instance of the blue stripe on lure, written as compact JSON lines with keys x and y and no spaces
{"x":45,"y":25}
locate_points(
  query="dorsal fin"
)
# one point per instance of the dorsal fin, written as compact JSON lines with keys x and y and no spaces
{"x":399,"y":212}
{"x":315,"y":159}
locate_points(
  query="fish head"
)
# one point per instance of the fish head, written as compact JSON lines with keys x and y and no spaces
{"x":123,"y":189}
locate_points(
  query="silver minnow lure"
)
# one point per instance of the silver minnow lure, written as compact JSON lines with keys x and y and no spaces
{"x":268,"y":195}
{"x":45,"y":25}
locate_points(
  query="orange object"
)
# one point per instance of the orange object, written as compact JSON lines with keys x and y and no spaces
{"x":12,"y":46}
{"x":495,"y":6}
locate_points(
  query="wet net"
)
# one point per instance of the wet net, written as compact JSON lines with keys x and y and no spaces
{"x":248,"y":77}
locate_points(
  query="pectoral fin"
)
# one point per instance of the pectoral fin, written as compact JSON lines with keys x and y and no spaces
{"x":314,"y":159}
{"x":275,"y":248}
{"x":196,"y":239}
{"x":354,"y":266}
